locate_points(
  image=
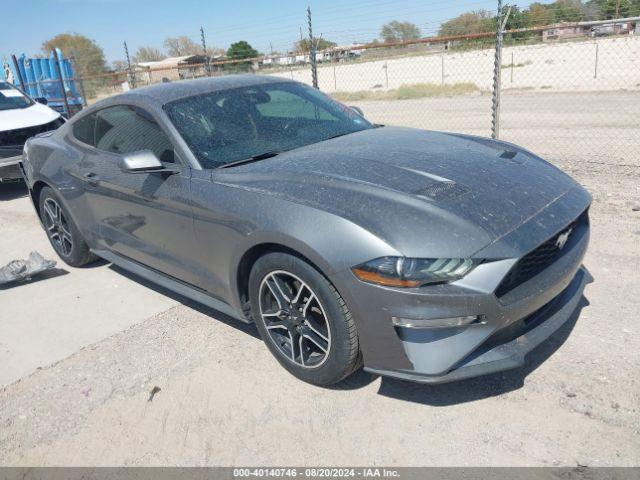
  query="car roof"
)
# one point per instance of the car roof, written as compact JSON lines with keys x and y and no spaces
{"x":163,"y":93}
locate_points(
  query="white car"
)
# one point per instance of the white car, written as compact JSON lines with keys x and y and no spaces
{"x":20,"y":119}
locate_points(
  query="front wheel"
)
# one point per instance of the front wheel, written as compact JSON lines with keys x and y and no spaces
{"x":303,"y":320}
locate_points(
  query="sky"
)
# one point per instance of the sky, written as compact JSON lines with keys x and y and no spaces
{"x":264,"y":24}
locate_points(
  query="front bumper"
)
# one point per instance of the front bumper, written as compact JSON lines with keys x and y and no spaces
{"x":512,"y":324}
{"x":508,"y":349}
{"x":10,"y":168}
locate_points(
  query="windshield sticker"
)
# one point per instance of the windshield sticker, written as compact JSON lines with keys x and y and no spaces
{"x":11,"y":93}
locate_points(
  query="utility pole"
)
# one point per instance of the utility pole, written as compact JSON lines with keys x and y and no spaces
{"x":312,"y":51}
{"x":497,"y":75}
{"x":131,"y":75}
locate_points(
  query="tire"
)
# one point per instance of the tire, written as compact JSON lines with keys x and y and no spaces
{"x":62,"y":232}
{"x":316,"y":338}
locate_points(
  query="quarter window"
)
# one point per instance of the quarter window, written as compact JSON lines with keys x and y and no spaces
{"x":84,"y":130}
{"x":125,"y":129}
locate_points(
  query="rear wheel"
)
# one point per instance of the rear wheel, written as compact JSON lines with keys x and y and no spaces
{"x":303,"y":320}
{"x":62,"y":232}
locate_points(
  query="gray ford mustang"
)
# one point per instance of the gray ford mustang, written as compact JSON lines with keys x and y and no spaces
{"x":421,"y":255}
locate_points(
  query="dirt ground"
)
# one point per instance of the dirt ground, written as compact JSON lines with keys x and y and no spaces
{"x":224,"y":400}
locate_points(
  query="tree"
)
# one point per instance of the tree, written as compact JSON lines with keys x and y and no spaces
{"x":592,"y":10}
{"x":88,"y":56}
{"x":304,"y":45}
{"x":606,"y":9}
{"x":517,"y":19}
{"x":182,"y":46}
{"x":539,"y":14}
{"x":119,"y":66}
{"x":148,"y":54}
{"x":396,"y":31}
{"x":468,"y":23}
{"x":240,"y":50}
{"x":568,"y":10}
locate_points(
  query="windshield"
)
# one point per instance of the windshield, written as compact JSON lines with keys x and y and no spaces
{"x":11,"y":97}
{"x":231,"y":125}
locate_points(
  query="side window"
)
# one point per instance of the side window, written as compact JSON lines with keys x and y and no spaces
{"x":283,"y":104}
{"x":84,"y":129}
{"x":125,"y":129}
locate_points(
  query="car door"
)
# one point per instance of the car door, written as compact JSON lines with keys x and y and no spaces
{"x":145,"y":217}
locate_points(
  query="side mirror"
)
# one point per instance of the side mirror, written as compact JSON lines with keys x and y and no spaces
{"x":144,"y":162}
{"x":358,"y":110}
{"x":41,"y":100}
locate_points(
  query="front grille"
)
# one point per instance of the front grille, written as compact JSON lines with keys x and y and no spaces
{"x":544,"y":255}
{"x":12,"y":141}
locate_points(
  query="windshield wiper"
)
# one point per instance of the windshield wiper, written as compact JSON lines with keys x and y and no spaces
{"x":339,"y":135}
{"x":254,"y":158}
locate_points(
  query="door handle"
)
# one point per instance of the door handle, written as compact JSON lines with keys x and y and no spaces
{"x":91,"y":178}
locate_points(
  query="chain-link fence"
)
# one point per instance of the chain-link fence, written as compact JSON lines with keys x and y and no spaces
{"x":577,"y":99}
{"x":569,"y":90}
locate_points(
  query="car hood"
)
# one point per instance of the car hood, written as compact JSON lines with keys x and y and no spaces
{"x":422,"y":192}
{"x":36,"y":114}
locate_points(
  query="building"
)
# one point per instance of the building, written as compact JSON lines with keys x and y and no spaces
{"x":620,"y":28}
{"x":561,"y":31}
{"x":172,"y":68}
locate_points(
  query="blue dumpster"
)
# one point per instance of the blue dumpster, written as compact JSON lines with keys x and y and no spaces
{"x":41,"y":80}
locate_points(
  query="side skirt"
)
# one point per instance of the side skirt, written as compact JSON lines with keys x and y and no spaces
{"x":171,"y":283}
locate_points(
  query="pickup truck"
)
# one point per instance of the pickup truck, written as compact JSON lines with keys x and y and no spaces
{"x":20,"y":119}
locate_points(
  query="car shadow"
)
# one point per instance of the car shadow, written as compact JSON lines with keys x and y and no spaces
{"x":248,"y":328}
{"x":434,"y":395}
{"x":12,"y":190}
{"x":481,"y":387}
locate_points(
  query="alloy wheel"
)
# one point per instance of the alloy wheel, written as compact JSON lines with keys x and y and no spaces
{"x":295,"y":319}
{"x":57,"y":227}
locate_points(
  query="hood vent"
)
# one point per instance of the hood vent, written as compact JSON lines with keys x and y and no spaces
{"x":513,"y":156}
{"x":443,"y":191}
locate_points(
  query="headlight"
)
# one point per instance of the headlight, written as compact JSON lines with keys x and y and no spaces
{"x":413,"y":272}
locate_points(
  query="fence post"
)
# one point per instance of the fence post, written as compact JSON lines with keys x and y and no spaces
{"x":335,"y":79}
{"x":78,"y":78}
{"x":207,"y":69}
{"x":61,"y":80}
{"x":495,"y":106}
{"x":442,"y":69}
{"x":23,"y":86}
{"x":386,"y":73}
{"x":131,"y":74}
{"x":512,"y":68}
{"x":595,"y":71}
{"x":312,"y":51}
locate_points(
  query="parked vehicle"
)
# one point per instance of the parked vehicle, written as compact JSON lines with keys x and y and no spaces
{"x":422,"y":255}
{"x":20,"y":118}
